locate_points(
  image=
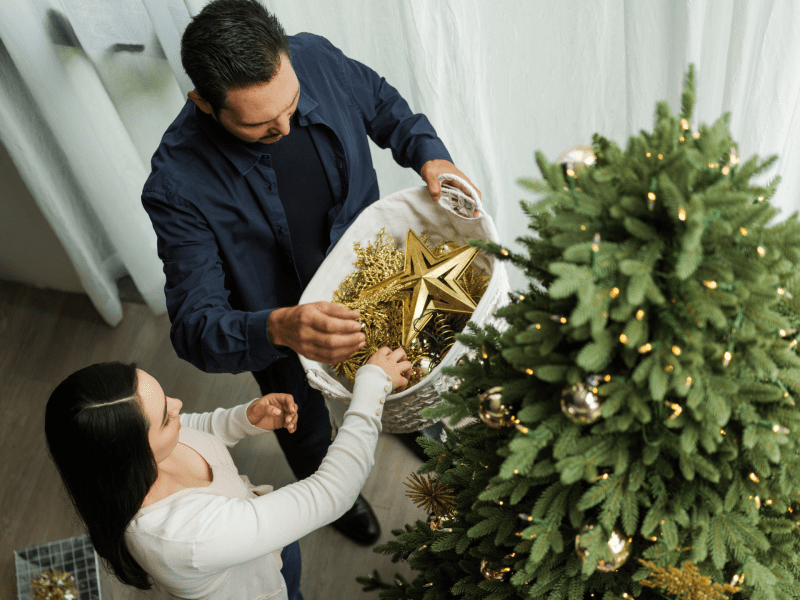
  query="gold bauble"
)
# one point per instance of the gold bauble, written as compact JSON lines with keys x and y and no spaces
{"x":492,"y":411}
{"x":444,"y":523}
{"x":618,"y":543}
{"x":491,"y":571}
{"x":576,"y":159}
{"x":581,"y":402}
{"x":446,"y":247}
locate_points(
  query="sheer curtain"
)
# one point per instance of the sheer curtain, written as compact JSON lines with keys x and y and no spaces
{"x":90,"y":86}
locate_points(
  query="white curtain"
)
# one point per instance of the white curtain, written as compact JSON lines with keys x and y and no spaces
{"x":89,"y":86}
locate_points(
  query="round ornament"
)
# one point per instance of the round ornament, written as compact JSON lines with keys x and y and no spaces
{"x":581,"y":402}
{"x":619,"y":545}
{"x":468,"y":357}
{"x":576,"y":159}
{"x":492,"y":411}
{"x":446,"y":248}
{"x":495,"y":572}
{"x":444,"y":523}
{"x":425,"y":366}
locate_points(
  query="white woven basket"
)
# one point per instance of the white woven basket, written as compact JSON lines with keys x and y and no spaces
{"x":448,"y":220}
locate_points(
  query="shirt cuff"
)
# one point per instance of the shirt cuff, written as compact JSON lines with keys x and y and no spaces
{"x":258,"y":337}
{"x":371,"y":388}
{"x":243,"y":424}
{"x":430,"y":149}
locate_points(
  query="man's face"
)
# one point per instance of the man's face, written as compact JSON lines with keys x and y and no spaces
{"x":261,"y":112}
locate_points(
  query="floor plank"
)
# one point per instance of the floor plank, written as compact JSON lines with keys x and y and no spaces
{"x":46,"y":335}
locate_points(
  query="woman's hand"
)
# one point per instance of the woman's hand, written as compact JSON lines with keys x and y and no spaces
{"x":394,"y":364}
{"x":273,"y":411}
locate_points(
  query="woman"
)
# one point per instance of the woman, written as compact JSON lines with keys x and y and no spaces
{"x":162,"y":499}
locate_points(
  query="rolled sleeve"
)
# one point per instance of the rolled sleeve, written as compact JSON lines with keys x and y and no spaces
{"x":389,"y":120}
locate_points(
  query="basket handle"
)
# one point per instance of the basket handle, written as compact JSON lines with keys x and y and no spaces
{"x":319,"y":380}
{"x":465,"y":205}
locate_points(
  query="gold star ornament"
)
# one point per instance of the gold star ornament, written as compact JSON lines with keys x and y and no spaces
{"x":429,"y":283}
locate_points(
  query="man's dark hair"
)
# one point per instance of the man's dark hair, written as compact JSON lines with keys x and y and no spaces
{"x":232,"y":44}
{"x":97,"y":435}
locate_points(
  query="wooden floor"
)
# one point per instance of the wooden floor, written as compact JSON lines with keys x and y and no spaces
{"x":46,"y":335}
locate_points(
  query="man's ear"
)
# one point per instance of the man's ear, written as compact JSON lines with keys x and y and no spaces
{"x":201,"y":104}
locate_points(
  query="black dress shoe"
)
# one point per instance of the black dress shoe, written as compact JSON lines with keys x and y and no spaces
{"x":359,"y":523}
{"x":433,"y":432}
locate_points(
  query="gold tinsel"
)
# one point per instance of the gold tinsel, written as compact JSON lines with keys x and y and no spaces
{"x":431,"y":494}
{"x":687,"y":582}
{"x":382,"y":313}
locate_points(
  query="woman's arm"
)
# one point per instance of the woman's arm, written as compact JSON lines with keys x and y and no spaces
{"x":228,"y":425}
{"x":243,"y":529}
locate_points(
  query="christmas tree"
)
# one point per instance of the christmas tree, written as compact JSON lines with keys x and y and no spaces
{"x":637,"y":432}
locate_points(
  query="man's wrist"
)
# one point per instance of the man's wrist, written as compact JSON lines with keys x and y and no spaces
{"x":274,"y":327}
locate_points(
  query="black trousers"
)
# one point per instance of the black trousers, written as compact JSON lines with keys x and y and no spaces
{"x":307,"y":446}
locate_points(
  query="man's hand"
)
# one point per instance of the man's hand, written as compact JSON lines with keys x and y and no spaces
{"x":430,"y":173}
{"x":321,"y":331}
{"x":273,"y":411}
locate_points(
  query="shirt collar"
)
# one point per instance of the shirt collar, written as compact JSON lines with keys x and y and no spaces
{"x":245,"y":156}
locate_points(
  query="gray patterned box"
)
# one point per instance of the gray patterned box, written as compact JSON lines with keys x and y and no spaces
{"x":74,"y":555}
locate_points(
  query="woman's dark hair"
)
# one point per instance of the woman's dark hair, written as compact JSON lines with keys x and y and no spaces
{"x":232,"y":44}
{"x":96,"y":432}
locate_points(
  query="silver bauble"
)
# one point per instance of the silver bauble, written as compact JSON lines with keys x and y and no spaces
{"x":425,"y":366}
{"x":618,"y":543}
{"x":581,"y":402}
{"x":468,"y":357}
{"x":576,"y":159}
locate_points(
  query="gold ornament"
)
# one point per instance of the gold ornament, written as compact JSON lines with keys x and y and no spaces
{"x":445,"y":248}
{"x":495,"y":572}
{"x":580,"y":402}
{"x":576,"y":159}
{"x":431,"y":494}
{"x":429,"y":283}
{"x":687,"y":582}
{"x":442,"y":523}
{"x":619,"y":545}
{"x":492,"y":411}
{"x":382,"y":310}
{"x":54,"y":585}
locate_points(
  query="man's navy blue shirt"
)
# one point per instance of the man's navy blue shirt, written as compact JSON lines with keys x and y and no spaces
{"x":222,"y":230}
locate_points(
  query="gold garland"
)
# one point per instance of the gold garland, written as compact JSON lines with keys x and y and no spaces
{"x":687,"y":582}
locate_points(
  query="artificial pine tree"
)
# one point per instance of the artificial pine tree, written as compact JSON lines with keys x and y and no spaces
{"x":638,"y":434}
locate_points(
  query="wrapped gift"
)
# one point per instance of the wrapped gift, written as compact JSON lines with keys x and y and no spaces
{"x":450,"y":219}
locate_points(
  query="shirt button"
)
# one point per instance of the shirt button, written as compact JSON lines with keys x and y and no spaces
{"x":386,"y":388}
{"x":378,"y":412}
{"x":272,"y":186}
{"x":383,"y":400}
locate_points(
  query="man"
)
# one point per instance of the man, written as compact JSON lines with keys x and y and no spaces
{"x":262,"y":171}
